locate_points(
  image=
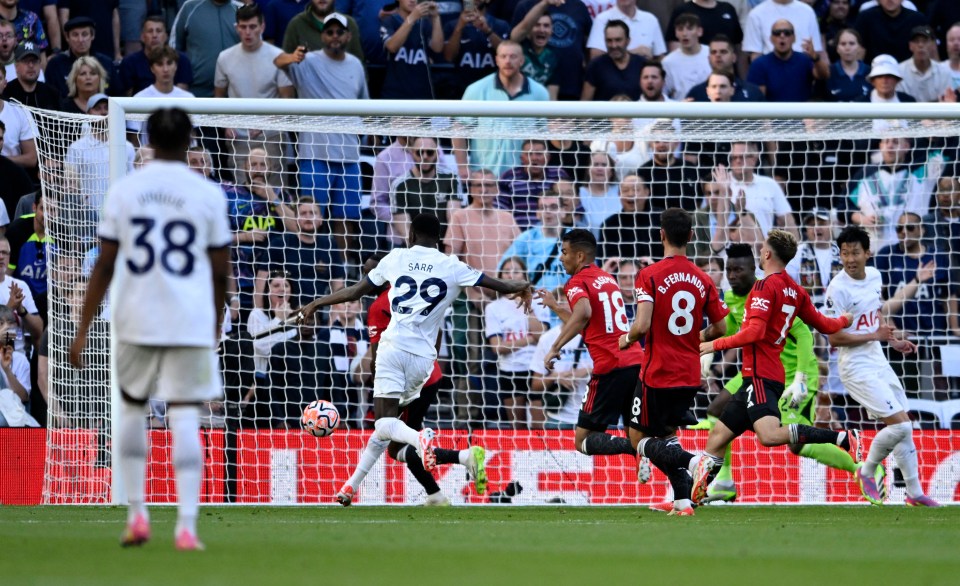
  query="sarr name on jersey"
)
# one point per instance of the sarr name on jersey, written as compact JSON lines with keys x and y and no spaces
{"x":760,"y":303}
{"x":868,"y":320}
{"x":600,"y":282}
{"x":416,"y":266}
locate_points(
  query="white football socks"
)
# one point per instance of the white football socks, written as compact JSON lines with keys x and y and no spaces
{"x":371,"y":453}
{"x":906,"y":454}
{"x":392,"y":429}
{"x":133,"y":454}
{"x":187,"y":464}
{"x":884,"y":443}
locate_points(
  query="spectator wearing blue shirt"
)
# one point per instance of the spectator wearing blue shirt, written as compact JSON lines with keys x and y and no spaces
{"x":785,"y":75}
{"x":471,"y":44}
{"x":277,"y":15}
{"x":411,"y":36}
{"x":571,"y":26}
{"x":134,"y":73}
{"x":723,"y":59}
{"x":615,"y":72}
{"x":848,"y":76}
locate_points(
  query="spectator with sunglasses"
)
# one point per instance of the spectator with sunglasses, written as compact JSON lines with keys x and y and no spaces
{"x":764,"y":16}
{"x":785,"y":75}
{"x":424,"y":189}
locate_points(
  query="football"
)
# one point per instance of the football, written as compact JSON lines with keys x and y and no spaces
{"x":320,"y":418}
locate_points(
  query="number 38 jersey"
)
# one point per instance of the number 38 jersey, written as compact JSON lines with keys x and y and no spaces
{"x":608,"y":319}
{"x":164,"y":218}
{"x":681,"y":294}
{"x":424,"y":282}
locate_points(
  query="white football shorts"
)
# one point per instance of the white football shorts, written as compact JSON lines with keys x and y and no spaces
{"x":400,"y":374}
{"x":879,"y":392}
{"x":174,"y":374}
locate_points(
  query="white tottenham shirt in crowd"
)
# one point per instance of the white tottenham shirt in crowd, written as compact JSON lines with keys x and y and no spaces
{"x":862,"y":298}
{"x":165,"y":218}
{"x":424,"y":282}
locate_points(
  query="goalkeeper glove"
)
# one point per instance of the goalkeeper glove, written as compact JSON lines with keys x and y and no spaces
{"x":797,"y":392}
{"x":706,"y":361}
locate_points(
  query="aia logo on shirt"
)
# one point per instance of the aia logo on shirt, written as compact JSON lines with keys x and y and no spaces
{"x":760,"y":304}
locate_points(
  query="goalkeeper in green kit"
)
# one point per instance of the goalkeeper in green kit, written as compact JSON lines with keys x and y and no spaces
{"x":798,"y":402}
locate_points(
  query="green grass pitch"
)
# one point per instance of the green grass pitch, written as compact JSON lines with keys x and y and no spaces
{"x":461,"y":546}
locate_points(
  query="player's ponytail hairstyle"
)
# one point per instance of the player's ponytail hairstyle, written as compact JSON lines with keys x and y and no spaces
{"x":852,"y":235}
{"x":783,"y":244}
{"x":582,"y":240}
{"x":169,"y":129}
{"x":676,"y":225}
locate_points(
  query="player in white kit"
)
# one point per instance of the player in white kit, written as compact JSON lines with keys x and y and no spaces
{"x":864,"y":369}
{"x":424,"y":282}
{"x":165,"y":236}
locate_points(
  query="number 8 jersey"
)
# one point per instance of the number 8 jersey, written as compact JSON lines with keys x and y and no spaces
{"x":681,"y":293}
{"x":164,"y":219}
{"x":424,"y":282}
{"x":608,"y":319}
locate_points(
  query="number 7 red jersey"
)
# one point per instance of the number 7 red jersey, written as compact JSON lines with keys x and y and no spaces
{"x":772,"y":305}
{"x":608,"y":319}
{"x":681,"y":294}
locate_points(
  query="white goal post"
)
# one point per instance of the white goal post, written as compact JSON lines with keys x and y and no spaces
{"x":825,"y":160}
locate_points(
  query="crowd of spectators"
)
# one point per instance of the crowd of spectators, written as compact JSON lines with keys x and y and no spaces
{"x":308,"y":209}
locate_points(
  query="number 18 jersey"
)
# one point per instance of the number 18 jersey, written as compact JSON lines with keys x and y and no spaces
{"x":608,"y":319}
{"x":424,"y":282}
{"x":164,"y":219}
{"x":681,"y":294}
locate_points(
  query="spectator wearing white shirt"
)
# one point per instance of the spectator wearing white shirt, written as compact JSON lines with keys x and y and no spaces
{"x":758,"y":194}
{"x":923,"y":78}
{"x":688,"y":65}
{"x":646,"y":38}
{"x":163,"y":65}
{"x":756,"y":35}
{"x":19,"y":143}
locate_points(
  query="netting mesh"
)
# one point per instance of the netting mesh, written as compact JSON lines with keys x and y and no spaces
{"x":313,"y":197}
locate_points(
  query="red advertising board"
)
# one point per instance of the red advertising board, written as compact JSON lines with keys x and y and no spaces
{"x":288,"y":467}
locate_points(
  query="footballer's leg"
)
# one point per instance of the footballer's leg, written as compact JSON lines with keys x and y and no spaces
{"x":133,"y":454}
{"x":188,"y":469}
{"x":607,"y":401}
{"x":400,"y":376}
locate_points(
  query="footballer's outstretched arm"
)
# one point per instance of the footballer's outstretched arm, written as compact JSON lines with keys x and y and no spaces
{"x":96,"y":289}
{"x":579,"y":318}
{"x":751,"y":332}
{"x":362,"y":287}
{"x":523,"y":288}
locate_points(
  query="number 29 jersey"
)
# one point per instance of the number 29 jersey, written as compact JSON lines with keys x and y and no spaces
{"x":681,"y":294}
{"x":164,"y":218}
{"x":608,"y":319}
{"x":424,"y":282}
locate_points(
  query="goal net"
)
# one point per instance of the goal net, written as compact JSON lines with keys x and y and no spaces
{"x":317,"y":189}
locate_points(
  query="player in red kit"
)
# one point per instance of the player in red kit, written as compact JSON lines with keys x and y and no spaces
{"x":673,"y":295}
{"x":772,"y":305}
{"x":597,"y":310}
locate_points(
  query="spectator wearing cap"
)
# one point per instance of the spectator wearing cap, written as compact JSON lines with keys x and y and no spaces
{"x":106,"y":16}
{"x":784,"y":75}
{"x":26,"y":26}
{"x":306,"y":30}
{"x":27,"y":88}
{"x":80,"y":33}
{"x":887,"y":29}
{"x":922,"y":77}
{"x":86,"y":169}
{"x":818,"y":254}
{"x":134,"y":73}
{"x":330,"y":163}
{"x":19,"y":145}
{"x":202,"y":29}
{"x":884,"y":77}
